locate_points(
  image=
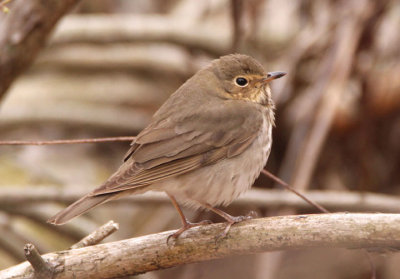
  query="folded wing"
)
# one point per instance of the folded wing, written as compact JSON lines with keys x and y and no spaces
{"x":172,"y":147}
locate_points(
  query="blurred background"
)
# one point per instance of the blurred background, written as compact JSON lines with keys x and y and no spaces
{"x":109,"y":64}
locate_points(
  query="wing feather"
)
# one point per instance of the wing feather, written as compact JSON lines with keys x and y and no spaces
{"x":171,"y":148}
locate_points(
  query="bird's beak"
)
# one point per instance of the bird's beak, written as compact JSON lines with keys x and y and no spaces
{"x":272,"y":76}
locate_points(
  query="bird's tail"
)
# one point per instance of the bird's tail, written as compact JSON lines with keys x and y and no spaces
{"x":79,"y":207}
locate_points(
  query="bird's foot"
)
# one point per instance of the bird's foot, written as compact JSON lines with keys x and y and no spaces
{"x":187,"y":225}
{"x":233,"y":220}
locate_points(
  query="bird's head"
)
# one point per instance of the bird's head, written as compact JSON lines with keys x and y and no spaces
{"x":241,"y":77}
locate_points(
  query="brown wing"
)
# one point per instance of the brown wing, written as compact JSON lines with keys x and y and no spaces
{"x":181,"y":144}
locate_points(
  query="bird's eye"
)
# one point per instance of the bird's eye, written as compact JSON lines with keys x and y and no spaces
{"x":241,"y":81}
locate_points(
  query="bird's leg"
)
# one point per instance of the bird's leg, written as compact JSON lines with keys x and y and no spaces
{"x":229,"y":218}
{"x":185,"y":223}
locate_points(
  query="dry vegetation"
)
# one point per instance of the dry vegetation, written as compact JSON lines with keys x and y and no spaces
{"x":107,"y":67}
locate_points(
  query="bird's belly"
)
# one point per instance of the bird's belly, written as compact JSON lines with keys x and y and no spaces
{"x":224,"y":181}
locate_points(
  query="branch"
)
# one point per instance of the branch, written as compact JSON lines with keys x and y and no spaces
{"x":263,"y":198}
{"x":97,"y":236}
{"x":151,"y":252}
{"x":103,"y":29}
{"x":24,"y":32}
{"x":72,"y":141}
{"x":90,"y":115}
{"x":237,"y":24}
{"x":160,"y":61}
{"x":40,"y":213}
{"x":294,"y":191}
{"x":11,"y":243}
{"x":41,"y":268}
{"x":330,"y":88}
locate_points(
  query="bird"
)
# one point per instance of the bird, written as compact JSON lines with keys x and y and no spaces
{"x":204,"y":146}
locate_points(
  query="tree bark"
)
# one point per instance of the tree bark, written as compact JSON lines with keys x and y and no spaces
{"x":138,"y":255}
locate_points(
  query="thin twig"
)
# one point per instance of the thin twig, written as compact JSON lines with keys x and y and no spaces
{"x":97,"y":236}
{"x":42,"y":269}
{"x":73,"y":141}
{"x":291,"y":189}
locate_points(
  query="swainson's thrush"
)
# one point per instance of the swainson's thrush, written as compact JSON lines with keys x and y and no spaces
{"x":204,"y":147}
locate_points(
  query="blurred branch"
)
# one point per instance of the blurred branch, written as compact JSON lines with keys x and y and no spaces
{"x":158,"y":60}
{"x":11,"y":243}
{"x":334,"y":200}
{"x":12,"y":239}
{"x":309,"y":135}
{"x":151,"y":252}
{"x":24,"y":32}
{"x":237,"y":24}
{"x":40,"y":215}
{"x":310,"y":39}
{"x":95,"y":115}
{"x":74,"y":141}
{"x":103,"y":29}
{"x":315,"y":113}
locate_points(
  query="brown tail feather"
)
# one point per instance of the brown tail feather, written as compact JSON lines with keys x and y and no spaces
{"x":79,"y":207}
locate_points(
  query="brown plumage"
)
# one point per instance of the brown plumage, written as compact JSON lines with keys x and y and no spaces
{"x":205,"y":145}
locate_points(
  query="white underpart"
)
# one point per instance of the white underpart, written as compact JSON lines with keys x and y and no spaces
{"x":223,"y":182}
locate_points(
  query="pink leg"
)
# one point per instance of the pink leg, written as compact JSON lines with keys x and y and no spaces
{"x":185,"y":223}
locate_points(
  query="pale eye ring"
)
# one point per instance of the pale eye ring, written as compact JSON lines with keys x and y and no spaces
{"x":241,"y":81}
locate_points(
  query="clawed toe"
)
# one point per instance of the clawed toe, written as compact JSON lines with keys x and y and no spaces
{"x":251,"y":215}
{"x":233,"y":220}
{"x":225,"y":232}
{"x":187,"y":226}
{"x":176,"y":234}
{"x":238,"y":219}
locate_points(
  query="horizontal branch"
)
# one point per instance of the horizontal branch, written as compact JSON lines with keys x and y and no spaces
{"x":71,"y":141}
{"x":160,"y":60}
{"x":95,"y":115}
{"x":99,"y":29}
{"x":263,"y":198}
{"x":151,"y":252}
